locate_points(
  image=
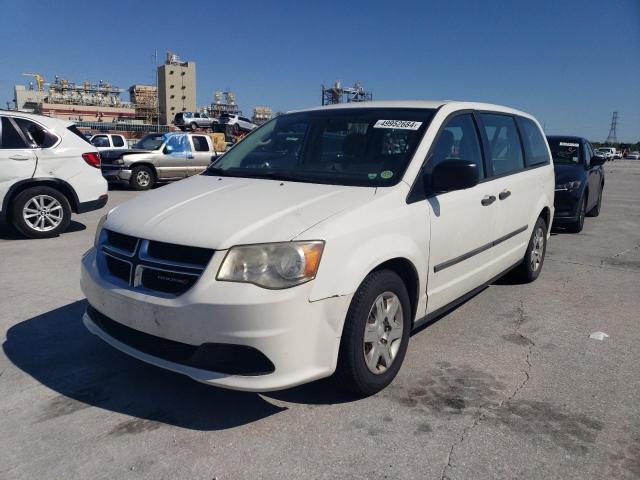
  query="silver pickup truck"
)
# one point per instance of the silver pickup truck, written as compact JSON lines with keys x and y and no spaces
{"x":158,"y":157}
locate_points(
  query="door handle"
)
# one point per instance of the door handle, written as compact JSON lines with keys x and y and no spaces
{"x":504,"y":194}
{"x":19,"y":157}
{"x":488,"y":200}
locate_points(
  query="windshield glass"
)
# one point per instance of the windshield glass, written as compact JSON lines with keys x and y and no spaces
{"x":564,"y":151}
{"x":355,"y":146}
{"x":153,"y":141}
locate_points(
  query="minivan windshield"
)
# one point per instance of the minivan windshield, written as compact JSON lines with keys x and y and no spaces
{"x":564,"y":151}
{"x":152,"y":141}
{"x":350,"y":146}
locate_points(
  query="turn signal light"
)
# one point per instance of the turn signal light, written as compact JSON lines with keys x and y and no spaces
{"x":92,"y":159}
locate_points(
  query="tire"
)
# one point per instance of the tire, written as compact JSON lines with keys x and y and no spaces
{"x":578,"y":225}
{"x":40,"y":212}
{"x":193,"y":126}
{"x":595,"y":211}
{"x":354,"y":372}
{"x":142,"y":178}
{"x":236,"y":129}
{"x":529,"y":270}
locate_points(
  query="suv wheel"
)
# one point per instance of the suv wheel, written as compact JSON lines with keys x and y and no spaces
{"x":193,"y":126}
{"x":142,"y":178}
{"x":529,"y":270}
{"x":375,"y":334}
{"x":40,"y":212}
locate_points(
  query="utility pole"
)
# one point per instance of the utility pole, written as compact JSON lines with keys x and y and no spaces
{"x":612,"y":138}
{"x":155,"y":64}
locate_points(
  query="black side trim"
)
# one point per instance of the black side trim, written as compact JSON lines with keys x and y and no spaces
{"x":476,"y":251}
{"x":93,"y":204}
{"x":35,"y":182}
{"x":427,"y":319}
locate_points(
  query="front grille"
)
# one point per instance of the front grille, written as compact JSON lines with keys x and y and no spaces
{"x":216,"y":357}
{"x":155,"y":267}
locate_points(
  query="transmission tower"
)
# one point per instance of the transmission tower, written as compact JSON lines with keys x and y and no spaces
{"x":613,"y":138}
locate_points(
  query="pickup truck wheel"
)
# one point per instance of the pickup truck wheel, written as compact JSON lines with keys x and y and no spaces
{"x":40,"y":212}
{"x":193,"y":126}
{"x":529,"y":270}
{"x":236,"y":129}
{"x":142,"y":178}
{"x":375,"y":334}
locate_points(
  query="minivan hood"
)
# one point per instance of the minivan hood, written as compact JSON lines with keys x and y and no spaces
{"x":220,"y":212}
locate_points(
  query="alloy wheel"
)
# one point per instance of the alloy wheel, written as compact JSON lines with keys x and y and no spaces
{"x":537,"y":249}
{"x":143,"y":178}
{"x":43,"y":213}
{"x":383,"y":332}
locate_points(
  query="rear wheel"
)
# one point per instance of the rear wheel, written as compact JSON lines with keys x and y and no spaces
{"x":142,"y":178}
{"x":375,"y":335}
{"x":193,"y":126}
{"x":529,"y":270}
{"x":41,"y":212}
{"x":578,"y":224}
{"x":595,"y":211}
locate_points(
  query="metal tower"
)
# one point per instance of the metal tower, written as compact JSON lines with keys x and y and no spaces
{"x":340,"y":94}
{"x":613,"y":138}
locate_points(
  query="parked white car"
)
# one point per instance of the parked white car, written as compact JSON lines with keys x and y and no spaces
{"x":608,"y":152}
{"x":238,"y":123}
{"x":635,"y":155}
{"x":105,"y":141}
{"x":320,"y":241}
{"x":48,"y":169}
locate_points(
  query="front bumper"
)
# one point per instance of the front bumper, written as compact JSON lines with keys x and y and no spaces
{"x":115,"y":173}
{"x":565,"y":205}
{"x":299,"y":338}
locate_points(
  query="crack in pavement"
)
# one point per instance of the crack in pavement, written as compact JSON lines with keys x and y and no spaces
{"x":483,"y":411}
{"x":604,"y":267}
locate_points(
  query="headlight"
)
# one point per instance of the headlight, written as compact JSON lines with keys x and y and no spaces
{"x":96,"y":239}
{"x":272,"y":265}
{"x":569,"y":186}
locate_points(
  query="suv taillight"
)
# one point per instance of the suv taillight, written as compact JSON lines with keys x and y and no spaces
{"x":92,"y":159}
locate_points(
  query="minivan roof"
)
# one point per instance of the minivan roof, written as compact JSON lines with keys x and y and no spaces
{"x":431,"y":104}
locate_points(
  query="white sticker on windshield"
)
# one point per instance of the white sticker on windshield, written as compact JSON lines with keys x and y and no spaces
{"x":399,"y":124}
{"x":567,"y":144}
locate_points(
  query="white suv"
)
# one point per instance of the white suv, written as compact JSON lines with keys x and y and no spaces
{"x":319,"y":242}
{"x":48,"y":169}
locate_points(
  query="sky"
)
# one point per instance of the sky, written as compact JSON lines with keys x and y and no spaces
{"x":570,"y":63}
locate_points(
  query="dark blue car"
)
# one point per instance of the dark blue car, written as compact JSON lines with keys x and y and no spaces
{"x":579,"y":181}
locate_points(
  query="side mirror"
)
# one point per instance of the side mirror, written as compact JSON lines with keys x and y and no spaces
{"x":452,"y":175}
{"x":168,"y":150}
{"x":598,"y":160}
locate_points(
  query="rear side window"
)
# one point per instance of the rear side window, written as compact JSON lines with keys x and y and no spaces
{"x":200,"y":144}
{"x":73,"y":129}
{"x":100,"y":141}
{"x":9,"y":136}
{"x":505,"y":151}
{"x":117,"y":141}
{"x":535,"y":148}
{"x":36,"y":135}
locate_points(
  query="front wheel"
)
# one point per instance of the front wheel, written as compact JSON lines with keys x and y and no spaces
{"x":41,"y":212}
{"x":375,"y":334}
{"x":529,"y":270}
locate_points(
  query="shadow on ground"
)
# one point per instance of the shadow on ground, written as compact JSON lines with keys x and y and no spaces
{"x":56,"y":349}
{"x":7,"y":232}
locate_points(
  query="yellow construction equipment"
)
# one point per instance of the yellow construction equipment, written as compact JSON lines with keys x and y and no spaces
{"x":39,"y":80}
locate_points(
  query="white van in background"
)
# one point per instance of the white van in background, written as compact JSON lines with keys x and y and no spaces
{"x":105,"y":141}
{"x":318,"y":243}
{"x":48,"y":169}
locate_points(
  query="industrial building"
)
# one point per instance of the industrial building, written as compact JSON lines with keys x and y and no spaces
{"x":261,"y":115}
{"x":176,"y":87}
{"x":339,"y":94}
{"x":145,"y":101}
{"x":223,"y":102}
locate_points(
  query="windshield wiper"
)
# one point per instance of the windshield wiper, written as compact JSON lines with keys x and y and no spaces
{"x":268,"y":174}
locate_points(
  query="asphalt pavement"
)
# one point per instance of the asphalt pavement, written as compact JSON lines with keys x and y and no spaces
{"x":508,"y":385}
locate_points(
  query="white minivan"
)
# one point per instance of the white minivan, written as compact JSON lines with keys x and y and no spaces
{"x":320,"y":241}
{"x":48,"y":170}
